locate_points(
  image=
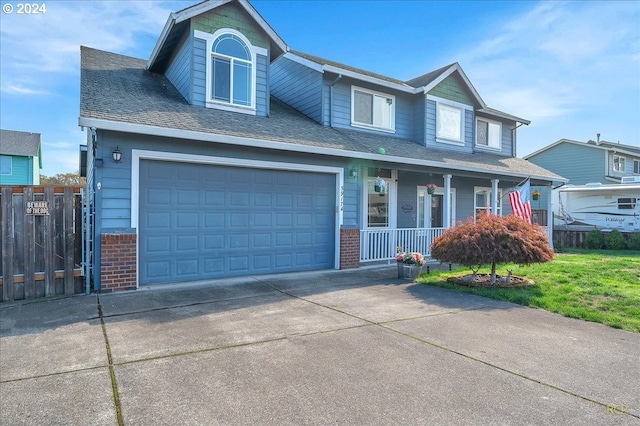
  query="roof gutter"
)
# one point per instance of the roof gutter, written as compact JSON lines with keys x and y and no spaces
{"x":144,"y":129}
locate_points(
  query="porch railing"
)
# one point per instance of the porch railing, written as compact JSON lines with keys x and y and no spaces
{"x":382,"y":244}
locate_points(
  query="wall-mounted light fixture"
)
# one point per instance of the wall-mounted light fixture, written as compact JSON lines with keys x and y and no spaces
{"x":353,"y":173}
{"x":117,"y":155}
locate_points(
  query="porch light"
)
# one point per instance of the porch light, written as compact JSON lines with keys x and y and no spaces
{"x":353,"y":172}
{"x":117,"y":155}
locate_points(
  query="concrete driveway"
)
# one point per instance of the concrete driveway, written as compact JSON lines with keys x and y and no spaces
{"x":337,"y":347}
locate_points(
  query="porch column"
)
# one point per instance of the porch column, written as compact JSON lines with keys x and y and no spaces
{"x":494,"y":195}
{"x":446,"y":201}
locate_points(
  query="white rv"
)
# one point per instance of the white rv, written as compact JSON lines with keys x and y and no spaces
{"x":597,"y":206}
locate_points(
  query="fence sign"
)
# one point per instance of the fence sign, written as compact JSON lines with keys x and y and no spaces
{"x":37,"y":208}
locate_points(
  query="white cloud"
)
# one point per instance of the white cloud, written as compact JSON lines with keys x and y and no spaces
{"x":35,"y":45}
{"x":559,"y":61}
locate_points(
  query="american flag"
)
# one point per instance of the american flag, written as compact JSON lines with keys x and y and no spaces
{"x":520,"y":200}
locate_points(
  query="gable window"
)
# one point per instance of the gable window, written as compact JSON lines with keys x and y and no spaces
{"x":618,"y":164}
{"x":231,"y":64}
{"x":636,"y":167}
{"x":449,"y":120}
{"x":488,"y":134}
{"x":6,"y":166}
{"x":372,"y":109}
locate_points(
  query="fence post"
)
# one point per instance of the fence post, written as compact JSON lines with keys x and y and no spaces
{"x":7,"y":244}
{"x":69,"y":242}
{"x":29,"y":248}
{"x":49,"y":238}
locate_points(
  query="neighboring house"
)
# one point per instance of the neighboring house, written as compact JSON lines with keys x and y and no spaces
{"x":20,"y":158}
{"x":588,"y":162}
{"x":227,"y":153}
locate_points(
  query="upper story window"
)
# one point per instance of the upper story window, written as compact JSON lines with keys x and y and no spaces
{"x":231,"y":71}
{"x":449,"y":122}
{"x":6,"y":166}
{"x":636,"y":167}
{"x":618,"y":164}
{"x":372,"y":109}
{"x":488,"y":134}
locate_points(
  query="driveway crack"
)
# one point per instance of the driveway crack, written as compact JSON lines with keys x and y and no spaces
{"x":112,"y":373}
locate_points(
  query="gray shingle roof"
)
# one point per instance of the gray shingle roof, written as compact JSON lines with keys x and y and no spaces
{"x":13,"y":142}
{"x":117,"y":88}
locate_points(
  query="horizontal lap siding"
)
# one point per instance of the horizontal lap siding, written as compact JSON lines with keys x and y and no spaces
{"x":262,"y":86}
{"x":404,"y":109}
{"x":21,"y":172}
{"x":297,"y":86}
{"x":179,"y":71}
{"x":199,"y":77}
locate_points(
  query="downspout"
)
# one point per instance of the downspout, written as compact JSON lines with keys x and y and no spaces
{"x":338,"y":78}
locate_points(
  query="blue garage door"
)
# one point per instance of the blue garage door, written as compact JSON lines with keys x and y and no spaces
{"x":203,"y":221}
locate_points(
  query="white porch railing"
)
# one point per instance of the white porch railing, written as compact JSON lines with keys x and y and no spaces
{"x":382,"y":244}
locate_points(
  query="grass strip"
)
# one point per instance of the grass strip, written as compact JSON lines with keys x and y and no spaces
{"x":602,"y":286}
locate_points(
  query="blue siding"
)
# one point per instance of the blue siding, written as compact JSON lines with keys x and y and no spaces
{"x":21,"y":172}
{"x":351,"y":206}
{"x":262,"y":86}
{"x":199,"y":77}
{"x":507,"y":138}
{"x":298,"y":86}
{"x":419,"y":120}
{"x":179,"y":71}
{"x":628,"y":170}
{"x":586,"y":164}
{"x":342,"y":108}
{"x":115,"y":214}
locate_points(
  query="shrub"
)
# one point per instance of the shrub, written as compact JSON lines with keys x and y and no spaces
{"x":615,"y":240}
{"x":492,"y":240}
{"x":595,"y":239}
{"x":634,"y":241}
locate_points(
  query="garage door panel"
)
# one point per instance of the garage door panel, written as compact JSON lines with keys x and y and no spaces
{"x":234,"y":221}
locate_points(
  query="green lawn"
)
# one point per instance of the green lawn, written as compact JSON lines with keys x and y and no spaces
{"x":594,"y":285}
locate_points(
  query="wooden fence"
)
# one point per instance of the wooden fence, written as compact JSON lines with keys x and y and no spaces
{"x":41,"y":242}
{"x":563,"y":238}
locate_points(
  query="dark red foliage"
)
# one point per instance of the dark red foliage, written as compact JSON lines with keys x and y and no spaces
{"x":493,"y":240}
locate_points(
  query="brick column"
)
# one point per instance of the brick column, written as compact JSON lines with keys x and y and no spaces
{"x":118,"y":262}
{"x":349,"y":248}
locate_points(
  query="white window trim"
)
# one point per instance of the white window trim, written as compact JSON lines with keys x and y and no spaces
{"x":476,"y":189}
{"x":462,"y":107}
{"x":488,"y":147}
{"x":613,"y":164}
{"x":254,"y":50}
{"x":427,"y":206}
{"x":392,"y":190}
{"x":354,"y":123}
{"x":636,"y":166}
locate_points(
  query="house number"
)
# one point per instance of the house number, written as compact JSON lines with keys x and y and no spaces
{"x":342,"y":198}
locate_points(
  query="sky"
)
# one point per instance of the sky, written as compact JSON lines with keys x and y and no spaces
{"x":572,"y":68}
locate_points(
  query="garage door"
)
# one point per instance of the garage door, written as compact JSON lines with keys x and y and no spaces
{"x":204,"y":221}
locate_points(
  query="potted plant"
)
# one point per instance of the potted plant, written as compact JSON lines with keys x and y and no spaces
{"x":535,"y":194}
{"x":409,"y":264}
{"x":431,"y":188}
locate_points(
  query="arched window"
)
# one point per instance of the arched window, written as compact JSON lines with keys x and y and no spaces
{"x":231,"y":65}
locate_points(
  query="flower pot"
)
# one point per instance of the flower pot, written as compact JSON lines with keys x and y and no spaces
{"x":409,"y":271}
{"x":377,"y":188}
{"x":535,"y":197}
{"x":430,"y":191}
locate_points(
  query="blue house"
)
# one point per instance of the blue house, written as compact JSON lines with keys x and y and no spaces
{"x":228,"y":153}
{"x":20,"y":158}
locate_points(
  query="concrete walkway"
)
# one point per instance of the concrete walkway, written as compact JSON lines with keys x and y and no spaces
{"x":337,"y":347}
